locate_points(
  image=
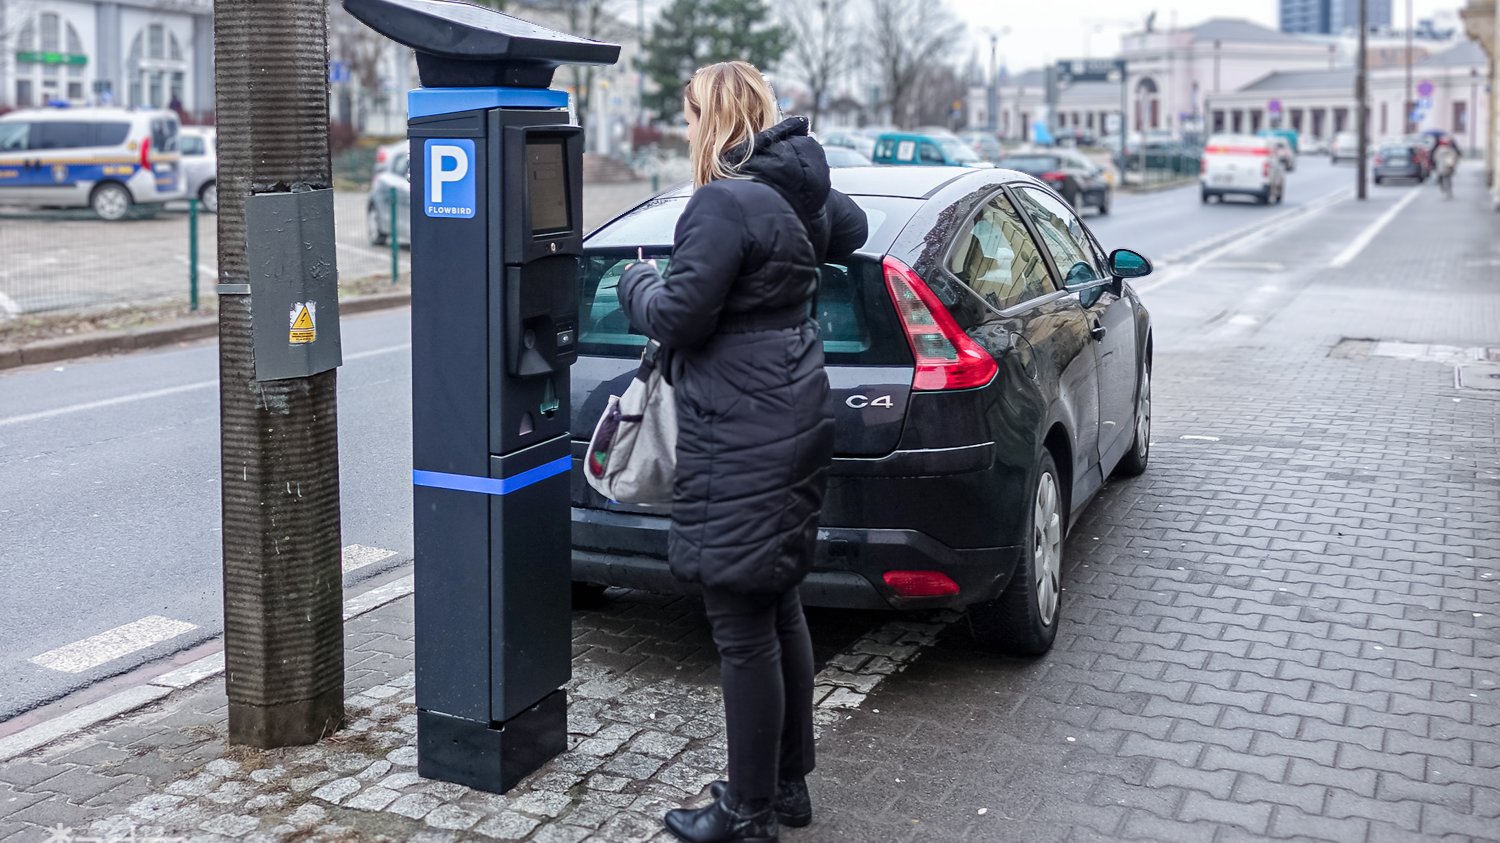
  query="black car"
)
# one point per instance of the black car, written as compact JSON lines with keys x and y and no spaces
{"x":990,"y":367}
{"x":1079,"y":180}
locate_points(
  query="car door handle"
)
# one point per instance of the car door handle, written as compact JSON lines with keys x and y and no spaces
{"x":1097,"y":332}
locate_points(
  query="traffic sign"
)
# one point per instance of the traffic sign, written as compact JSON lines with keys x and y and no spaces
{"x":1274,"y":106}
{"x":338,"y":72}
{"x":1090,"y":70}
{"x":1424,"y":89}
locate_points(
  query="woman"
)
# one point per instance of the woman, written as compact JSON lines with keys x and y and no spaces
{"x":755,"y":429}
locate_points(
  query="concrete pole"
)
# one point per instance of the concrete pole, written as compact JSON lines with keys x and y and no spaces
{"x":1360,"y":96}
{"x":283,"y":583}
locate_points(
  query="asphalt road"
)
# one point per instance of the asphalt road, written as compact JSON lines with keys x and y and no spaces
{"x":109,"y":494}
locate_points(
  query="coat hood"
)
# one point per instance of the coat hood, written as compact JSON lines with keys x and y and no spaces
{"x":786,"y":158}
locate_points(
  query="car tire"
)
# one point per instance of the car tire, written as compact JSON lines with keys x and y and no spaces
{"x":111,"y":201}
{"x":588,"y":595}
{"x":1379,"y":180}
{"x":372,"y":227}
{"x":1104,"y":204}
{"x":1022,"y":621}
{"x":1203,"y":197}
{"x":1264,"y":197}
{"x":1133,"y":464}
{"x":208,"y":194}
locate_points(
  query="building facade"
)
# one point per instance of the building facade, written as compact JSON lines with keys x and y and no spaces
{"x":121,"y":52}
{"x":1320,"y":103}
{"x":1483,"y":25}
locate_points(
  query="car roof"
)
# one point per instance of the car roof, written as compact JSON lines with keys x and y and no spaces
{"x":874,"y":180}
{"x":76,"y":114}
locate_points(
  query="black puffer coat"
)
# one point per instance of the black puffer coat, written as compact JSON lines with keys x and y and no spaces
{"x":756,"y":431}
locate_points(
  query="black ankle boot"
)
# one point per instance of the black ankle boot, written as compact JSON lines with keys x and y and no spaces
{"x":718,"y":822}
{"x":793,"y":802}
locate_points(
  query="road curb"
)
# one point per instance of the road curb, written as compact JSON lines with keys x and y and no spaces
{"x":156,"y":336}
{"x":157,"y":688}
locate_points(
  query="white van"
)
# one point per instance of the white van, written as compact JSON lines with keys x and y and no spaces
{"x":108,"y":159}
{"x":1245,"y":165}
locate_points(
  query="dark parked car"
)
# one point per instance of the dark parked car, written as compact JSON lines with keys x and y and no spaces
{"x":1080,"y":181}
{"x":1397,"y":161}
{"x":989,"y":365}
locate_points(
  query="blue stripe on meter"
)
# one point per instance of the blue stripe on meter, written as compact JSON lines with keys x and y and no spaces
{"x":491,"y":485}
{"x":430,"y":102}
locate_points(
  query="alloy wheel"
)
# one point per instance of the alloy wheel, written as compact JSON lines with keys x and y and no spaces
{"x":372,"y":226}
{"x":1047,"y":547}
{"x":1143,"y":414}
{"x":111,"y":202}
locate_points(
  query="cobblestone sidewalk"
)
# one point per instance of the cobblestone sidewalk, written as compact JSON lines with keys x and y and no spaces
{"x":645,"y":734}
{"x":1289,"y":627}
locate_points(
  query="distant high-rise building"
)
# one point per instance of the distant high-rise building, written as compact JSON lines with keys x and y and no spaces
{"x":1325,"y":17}
{"x":1304,"y":16}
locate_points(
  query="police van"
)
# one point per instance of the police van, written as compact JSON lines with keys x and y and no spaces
{"x":108,"y":159}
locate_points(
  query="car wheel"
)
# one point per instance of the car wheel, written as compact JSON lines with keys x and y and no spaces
{"x":587,"y":595}
{"x":1264,"y":197}
{"x":372,"y":227}
{"x":1134,"y":462}
{"x":1022,"y":621}
{"x":209,"y":196}
{"x":1104,"y":204}
{"x":1203,"y":197}
{"x":110,"y":201}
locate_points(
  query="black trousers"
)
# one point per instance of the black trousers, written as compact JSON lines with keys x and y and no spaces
{"x":767,"y":670}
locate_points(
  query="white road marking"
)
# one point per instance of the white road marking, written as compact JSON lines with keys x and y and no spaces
{"x":1353,"y":249}
{"x":357,"y":556}
{"x":1258,"y":232}
{"x":86,"y":406}
{"x":1195,"y":438}
{"x":116,"y":643}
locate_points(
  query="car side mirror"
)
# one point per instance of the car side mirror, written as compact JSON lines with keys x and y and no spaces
{"x":1124,"y":263}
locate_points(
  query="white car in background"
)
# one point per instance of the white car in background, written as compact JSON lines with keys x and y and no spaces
{"x":200,"y":165}
{"x":390,"y":179}
{"x":107,"y":159}
{"x":1243,"y":165}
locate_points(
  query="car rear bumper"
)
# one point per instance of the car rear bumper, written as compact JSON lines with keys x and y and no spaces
{"x":629,"y":550}
{"x":1409,"y":172}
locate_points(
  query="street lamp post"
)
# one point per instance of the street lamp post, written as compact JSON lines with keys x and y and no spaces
{"x":1360,"y":107}
{"x":1410,"y":104}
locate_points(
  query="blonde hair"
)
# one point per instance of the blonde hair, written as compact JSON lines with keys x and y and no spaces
{"x":733,"y":103}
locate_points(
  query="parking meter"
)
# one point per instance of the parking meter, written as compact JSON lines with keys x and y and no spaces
{"x":496,"y":233}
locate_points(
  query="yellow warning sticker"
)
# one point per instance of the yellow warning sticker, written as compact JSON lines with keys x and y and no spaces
{"x":304,"y":318}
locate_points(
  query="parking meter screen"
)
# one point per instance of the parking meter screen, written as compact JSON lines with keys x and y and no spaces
{"x":547,"y":186}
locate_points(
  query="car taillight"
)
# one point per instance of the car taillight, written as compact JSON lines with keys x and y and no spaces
{"x":380,"y":156}
{"x":146,"y":154}
{"x":947,"y":358}
{"x":920,"y":583}
{"x":1054,"y":177}
{"x":1377,"y":160}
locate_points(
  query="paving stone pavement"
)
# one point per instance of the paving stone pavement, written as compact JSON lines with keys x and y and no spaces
{"x":645,"y":734}
{"x":1288,"y":628}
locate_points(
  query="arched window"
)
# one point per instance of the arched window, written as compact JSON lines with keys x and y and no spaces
{"x":156,"y":68}
{"x":50,"y":61}
{"x":1147,"y":105}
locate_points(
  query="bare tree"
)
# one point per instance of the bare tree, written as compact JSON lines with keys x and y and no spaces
{"x":821,"y":49}
{"x":910,"y":38}
{"x":596,"y":19}
{"x":361,"y":49}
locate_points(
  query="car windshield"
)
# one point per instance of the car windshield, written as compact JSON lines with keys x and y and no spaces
{"x":957,"y":150}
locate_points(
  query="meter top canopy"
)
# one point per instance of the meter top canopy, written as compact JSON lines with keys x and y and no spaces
{"x":463,"y":45}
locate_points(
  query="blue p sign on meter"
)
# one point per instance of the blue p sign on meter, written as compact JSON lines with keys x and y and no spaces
{"x":449,"y":191}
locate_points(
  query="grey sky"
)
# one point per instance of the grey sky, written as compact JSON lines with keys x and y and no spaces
{"x":1054,"y":29}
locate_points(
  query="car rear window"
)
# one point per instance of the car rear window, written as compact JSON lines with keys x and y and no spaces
{"x":854,"y":310}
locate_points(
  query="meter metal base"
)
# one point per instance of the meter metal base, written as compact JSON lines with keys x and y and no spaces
{"x":492,"y":757}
